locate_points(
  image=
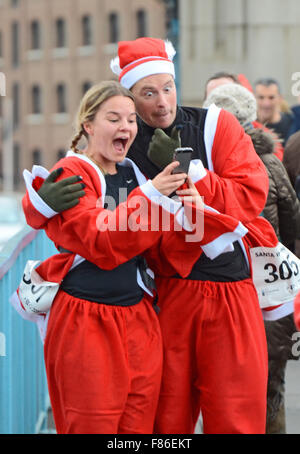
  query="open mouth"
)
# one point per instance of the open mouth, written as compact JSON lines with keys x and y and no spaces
{"x":120,"y":143}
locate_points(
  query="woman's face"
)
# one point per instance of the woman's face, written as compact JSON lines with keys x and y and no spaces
{"x":112,"y":132}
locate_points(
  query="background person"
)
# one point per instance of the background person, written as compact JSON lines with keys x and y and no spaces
{"x":219,"y":79}
{"x":291,"y":162}
{"x":269,"y":113}
{"x":296,"y":123}
{"x":103,"y":350}
{"x":282,"y":210}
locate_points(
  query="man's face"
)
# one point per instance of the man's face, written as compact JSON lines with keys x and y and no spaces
{"x":156,"y":100}
{"x":268,"y":102}
{"x":214,"y":83}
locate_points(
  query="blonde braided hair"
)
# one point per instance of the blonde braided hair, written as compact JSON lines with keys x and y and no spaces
{"x":76,"y":139}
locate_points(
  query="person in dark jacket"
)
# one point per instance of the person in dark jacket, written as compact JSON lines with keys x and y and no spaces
{"x":282,"y":210}
{"x":291,"y":163}
{"x":291,"y":160}
{"x":297,"y":186}
{"x":269,"y":111}
{"x":296,"y":123}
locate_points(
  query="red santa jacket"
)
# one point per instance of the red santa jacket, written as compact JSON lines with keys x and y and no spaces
{"x":236,"y":181}
{"x":234,"y":191}
{"x":91,"y":232}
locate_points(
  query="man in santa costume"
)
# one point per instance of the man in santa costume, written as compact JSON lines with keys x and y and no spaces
{"x":215,"y":355}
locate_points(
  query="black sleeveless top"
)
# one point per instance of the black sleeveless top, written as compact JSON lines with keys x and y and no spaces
{"x":117,"y":286}
{"x":227,"y":267}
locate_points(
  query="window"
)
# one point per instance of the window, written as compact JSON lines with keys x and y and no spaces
{"x":14,"y":3}
{"x":16,"y":105}
{"x":35,"y":35}
{"x":36,"y":99}
{"x":61,"y":153}
{"x":220,"y":26}
{"x":113,"y":28}
{"x":141,"y":21}
{"x":61,"y":98}
{"x":37,"y":157}
{"x":245,"y":26}
{"x":1,"y":44}
{"x":16,"y":157}
{"x":60,"y":28}
{"x":2,"y":84}
{"x":86,"y":27}
{"x":1,"y":164}
{"x":15,"y":44}
{"x":86,"y":86}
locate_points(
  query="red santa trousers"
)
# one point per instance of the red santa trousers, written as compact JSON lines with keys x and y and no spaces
{"x":103,"y":366}
{"x":215,"y":358}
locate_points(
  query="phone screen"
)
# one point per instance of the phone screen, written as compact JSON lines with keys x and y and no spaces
{"x":184,"y":156}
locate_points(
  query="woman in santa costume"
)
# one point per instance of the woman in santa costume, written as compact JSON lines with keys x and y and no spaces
{"x":103,"y":350}
{"x":215,"y":356}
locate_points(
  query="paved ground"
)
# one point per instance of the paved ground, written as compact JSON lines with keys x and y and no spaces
{"x":293,"y":397}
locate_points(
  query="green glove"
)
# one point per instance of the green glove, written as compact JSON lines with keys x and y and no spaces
{"x":62,"y":194}
{"x":161,"y":148}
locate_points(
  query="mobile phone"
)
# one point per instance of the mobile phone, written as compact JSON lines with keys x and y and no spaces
{"x":184,"y":156}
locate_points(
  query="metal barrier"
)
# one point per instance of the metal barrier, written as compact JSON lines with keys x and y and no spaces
{"x":24,"y":401}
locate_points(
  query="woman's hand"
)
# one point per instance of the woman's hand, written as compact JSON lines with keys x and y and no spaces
{"x":166,"y":182}
{"x":193,"y":207}
{"x":190,"y":194}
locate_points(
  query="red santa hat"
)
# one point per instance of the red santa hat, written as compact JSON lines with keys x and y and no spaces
{"x":141,"y":58}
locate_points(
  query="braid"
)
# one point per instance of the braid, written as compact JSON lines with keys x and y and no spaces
{"x":76,"y":140}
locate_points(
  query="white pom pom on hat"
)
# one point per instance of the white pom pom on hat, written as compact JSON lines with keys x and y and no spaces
{"x":141,"y":58}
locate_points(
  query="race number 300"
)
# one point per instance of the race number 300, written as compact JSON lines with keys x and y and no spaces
{"x":285,"y":270}
{"x":276,"y":275}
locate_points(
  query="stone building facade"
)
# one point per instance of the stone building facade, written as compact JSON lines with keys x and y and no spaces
{"x":259,"y":38}
{"x":50,"y":53}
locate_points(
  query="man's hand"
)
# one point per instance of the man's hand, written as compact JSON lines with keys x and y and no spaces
{"x":62,"y":194}
{"x":161,"y":148}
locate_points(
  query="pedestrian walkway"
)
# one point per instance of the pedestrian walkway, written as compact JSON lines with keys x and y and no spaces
{"x":292,"y":403}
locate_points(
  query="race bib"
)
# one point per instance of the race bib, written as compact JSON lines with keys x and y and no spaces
{"x":276,"y":275}
{"x":36,"y":295}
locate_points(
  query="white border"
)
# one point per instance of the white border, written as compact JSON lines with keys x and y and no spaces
{"x":279,"y":312}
